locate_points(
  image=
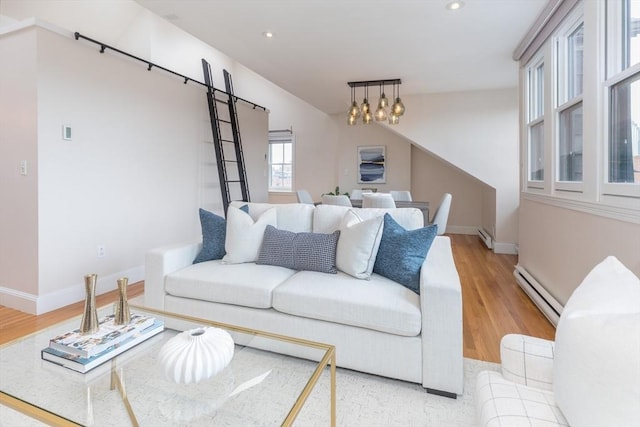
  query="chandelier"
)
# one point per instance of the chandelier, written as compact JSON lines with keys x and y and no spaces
{"x":380,"y":113}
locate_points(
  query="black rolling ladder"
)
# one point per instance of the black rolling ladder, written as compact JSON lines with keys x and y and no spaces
{"x":226,"y":140}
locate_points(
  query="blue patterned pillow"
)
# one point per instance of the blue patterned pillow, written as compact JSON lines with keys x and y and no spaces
{"x":402,"y":252}
{"x":214,"y":230}
{"x":299,"y":251}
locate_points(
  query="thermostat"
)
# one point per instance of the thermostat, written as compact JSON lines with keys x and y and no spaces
{"x":66,"y":132}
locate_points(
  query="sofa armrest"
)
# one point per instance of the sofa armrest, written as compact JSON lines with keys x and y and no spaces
{"x":441,"y":304}
{"x":527,"y":360}
{"x":160,"y":262}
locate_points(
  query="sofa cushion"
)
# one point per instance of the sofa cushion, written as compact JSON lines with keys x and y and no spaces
{"x":597,"y":349}
{"x":247,"y":284}
{"x":402,"y":252}
{"x":244,"y":236}
{"x":379,"y":304}
{"x":213,"y":236}
{"x":327,"y":218}
{"x":299,"y":251}
{"x":358,"y":245}
{"x":295,"y":217}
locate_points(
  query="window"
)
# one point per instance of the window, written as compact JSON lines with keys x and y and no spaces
{"x":580,"y":103}
{"x":280,"y":161}
{"x":569,"y":153}
{"x":624,"y":152}
{"x":623,"y":84}
{"x":570,"y":144}
{"x":535,"y":123}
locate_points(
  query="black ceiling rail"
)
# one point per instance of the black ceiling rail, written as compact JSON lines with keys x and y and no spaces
{"x":150,"y":65}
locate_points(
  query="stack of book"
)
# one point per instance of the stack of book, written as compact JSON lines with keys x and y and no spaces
{"x":82,"y":353}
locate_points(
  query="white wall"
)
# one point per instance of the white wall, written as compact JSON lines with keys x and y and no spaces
{"x":560,"y":246}
{"x":476,"y":132}
{"x":397,"y":150}
{"x":432,"y":177}
{"x":19,"y":193}
{"x":139,"y":136}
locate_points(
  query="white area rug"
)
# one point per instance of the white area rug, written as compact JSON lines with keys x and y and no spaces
{"x":362,"y":400}
{"x":368,"y":400}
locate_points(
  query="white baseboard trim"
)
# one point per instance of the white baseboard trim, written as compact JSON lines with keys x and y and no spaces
{"x":39,"y":304}
{"x":18,"y":300}
{"x":461,"y":229}
{"x":505,"y":248}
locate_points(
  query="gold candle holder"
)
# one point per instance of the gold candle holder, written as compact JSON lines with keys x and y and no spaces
{"x":122,"y":315}
{"x":89,"y":324}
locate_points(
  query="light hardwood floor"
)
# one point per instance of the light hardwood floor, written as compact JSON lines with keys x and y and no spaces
{"x":494,"y":304}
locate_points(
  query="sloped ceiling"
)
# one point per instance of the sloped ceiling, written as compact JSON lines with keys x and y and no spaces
{"x":320,"y":45}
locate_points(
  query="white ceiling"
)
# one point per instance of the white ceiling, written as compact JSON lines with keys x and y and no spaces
{"x":320,"y":45}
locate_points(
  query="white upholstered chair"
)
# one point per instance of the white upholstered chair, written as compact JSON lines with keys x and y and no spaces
{"x":304,"y":197}
{"x":401,"y":195}
{"x":341,"y":200}
{"x":588,"y":376}
{"x":441,"y":215}
{"x":377,"y":200}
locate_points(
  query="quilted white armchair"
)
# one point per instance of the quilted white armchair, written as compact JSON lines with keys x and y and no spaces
{"x":590,"y":375}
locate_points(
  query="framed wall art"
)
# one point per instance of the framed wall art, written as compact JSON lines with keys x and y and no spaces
{"x":372,"y":164}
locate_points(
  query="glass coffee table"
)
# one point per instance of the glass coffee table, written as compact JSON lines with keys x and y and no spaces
{"x":257,"y":388}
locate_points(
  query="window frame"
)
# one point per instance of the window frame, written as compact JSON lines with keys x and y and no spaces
{"x":618,"y":201}
{"x":617,"y":73}
{"x":280,"y":138}
{"x":535,"y":115}
{"x":562,"y":103}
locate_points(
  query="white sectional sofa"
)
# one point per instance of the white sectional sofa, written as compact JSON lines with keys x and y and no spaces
{"x":377,"y":325}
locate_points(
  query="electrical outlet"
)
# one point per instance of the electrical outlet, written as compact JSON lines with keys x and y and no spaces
{"x":101,"y":251}
{"x":23,"y":167}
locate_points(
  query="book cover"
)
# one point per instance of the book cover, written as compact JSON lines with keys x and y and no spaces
{"x":85,"y":364}
{"x":108,"y":335}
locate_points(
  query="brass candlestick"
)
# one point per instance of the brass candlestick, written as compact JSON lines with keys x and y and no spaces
{"x":122,"y":315}
{"x":89,"y":324}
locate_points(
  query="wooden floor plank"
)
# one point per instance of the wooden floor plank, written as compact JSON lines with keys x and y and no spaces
{"x":493,"y":303}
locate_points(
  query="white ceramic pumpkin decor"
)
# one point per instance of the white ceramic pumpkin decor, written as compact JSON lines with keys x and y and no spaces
{"x":196,"y":354}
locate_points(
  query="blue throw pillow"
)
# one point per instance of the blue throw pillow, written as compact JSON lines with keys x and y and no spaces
{"x":402,"y":252}
{"x":214,"y":230}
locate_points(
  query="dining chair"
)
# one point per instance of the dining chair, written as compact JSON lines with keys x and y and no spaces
{"x":378,"y":200}
{"x":356,"y":193}
{"x":441,"y":215}
{"x":341,"y":200}
{"x":401,"y":195}
{"x":304,"y":197}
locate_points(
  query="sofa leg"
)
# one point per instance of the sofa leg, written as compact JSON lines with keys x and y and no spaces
{"x":442,"y":393}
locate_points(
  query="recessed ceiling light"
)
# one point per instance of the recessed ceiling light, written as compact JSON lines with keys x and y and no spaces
{"x":455,"y":5}
{"x":268,"y":34}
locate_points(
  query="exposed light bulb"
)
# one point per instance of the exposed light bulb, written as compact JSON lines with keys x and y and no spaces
{"x":365,"y":106}
{"x":354,"y":110}
{"x":381,"y":113}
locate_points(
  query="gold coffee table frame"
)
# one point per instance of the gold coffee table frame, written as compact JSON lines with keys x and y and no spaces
{"x":329,"y":359}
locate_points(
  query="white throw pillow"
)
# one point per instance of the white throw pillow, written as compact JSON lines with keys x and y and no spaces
{"x":244,"y":236}
{"x":597,"y":349}
{"x":358,"y":245}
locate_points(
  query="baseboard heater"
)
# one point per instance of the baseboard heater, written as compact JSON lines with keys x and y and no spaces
{"x":549,"y":306}
{"x":485,"y":237}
